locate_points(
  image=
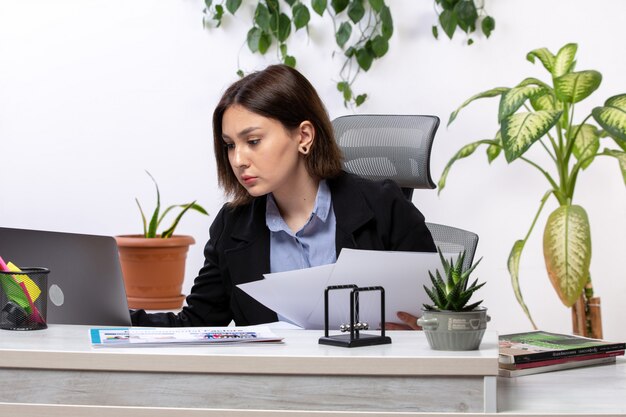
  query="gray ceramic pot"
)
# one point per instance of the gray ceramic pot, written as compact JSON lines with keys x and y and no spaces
{"x":454,"y":330}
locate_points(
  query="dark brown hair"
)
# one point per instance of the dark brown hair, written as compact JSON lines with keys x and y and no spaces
{"x":281,"y":93}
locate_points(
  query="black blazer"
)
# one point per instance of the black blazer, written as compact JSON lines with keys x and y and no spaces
{"x":370,"y":215}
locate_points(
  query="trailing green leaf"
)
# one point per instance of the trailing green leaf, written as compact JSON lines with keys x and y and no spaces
{"x":319,"y":6}
{"x":339,"y":5}
{"x":488,"y":25}
{"x":356,"y":11}
{"x":364,"y":58}
{"x":448,"y":21}
{"x":343,"y":33}
{"x":386,"y":23}
{"x":262,"y":17}
{"x":466,"y":15}
{"x":232,"y":5}
{"x":301,"y":16}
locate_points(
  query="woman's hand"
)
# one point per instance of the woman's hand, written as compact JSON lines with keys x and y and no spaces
{"x":409,"y":322}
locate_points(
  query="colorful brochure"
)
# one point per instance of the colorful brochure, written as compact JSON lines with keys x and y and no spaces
{"x":175,"y":336}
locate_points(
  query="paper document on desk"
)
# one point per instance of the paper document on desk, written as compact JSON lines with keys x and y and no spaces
{"x":299,"y":295}
{"x":292,"y":294}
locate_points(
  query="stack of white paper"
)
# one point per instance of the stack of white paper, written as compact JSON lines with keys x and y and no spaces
{"x":299,"y":295}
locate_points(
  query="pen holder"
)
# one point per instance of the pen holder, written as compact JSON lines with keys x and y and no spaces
{"x":23,"y":299}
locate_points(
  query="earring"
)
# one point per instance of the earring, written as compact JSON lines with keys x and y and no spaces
{"x":304,"y":150}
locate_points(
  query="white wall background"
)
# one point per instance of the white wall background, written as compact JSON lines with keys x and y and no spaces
{"x":93,"y":92}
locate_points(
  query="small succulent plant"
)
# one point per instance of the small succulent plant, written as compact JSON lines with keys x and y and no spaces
{"x":454,"y":293}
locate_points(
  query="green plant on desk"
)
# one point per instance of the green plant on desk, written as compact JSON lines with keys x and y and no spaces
{"x":451,"y":323}
{"x":454,"y":292}
{"x":541,"y":114}
{"x":150,"y":229}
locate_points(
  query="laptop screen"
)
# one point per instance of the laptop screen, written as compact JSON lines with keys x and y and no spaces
{"x":85,"y":284}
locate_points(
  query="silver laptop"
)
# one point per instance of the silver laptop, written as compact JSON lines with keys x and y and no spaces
{"x":85,"y":285}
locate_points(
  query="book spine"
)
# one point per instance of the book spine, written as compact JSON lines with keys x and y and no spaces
{"x":537,"y":364}
{"x":556,"y":367}
{"x":533,"y":357}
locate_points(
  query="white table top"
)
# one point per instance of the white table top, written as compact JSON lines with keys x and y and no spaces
{"x":68,"y":347}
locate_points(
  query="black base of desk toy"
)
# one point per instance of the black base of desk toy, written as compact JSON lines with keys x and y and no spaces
{"x":355,"y":338}
{"x":344,"y":340}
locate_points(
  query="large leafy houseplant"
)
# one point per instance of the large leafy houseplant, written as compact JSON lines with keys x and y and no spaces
{"x":541,"y":114}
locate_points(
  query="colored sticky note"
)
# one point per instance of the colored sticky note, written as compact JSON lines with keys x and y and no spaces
{"x":12,"y":288}
{"x":33,"y":289}
{"x":14,"y":291}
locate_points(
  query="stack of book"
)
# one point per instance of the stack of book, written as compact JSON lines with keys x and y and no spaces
{"x":540,"y":351}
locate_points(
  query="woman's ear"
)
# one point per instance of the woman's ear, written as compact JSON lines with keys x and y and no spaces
{"x":306,"y":133}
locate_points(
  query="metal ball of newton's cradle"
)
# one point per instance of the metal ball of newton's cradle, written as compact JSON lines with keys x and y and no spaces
{"x":357,"y":326}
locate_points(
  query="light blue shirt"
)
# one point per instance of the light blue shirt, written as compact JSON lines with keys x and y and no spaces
{"x":312,"y":245}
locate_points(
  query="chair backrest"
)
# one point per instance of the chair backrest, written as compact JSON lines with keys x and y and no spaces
{"x":388,"y":146}
{"x":454,"y":240}
{"x":398,"y":147}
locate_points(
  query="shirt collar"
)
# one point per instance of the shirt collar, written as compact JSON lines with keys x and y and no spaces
{"x":321,"y":209}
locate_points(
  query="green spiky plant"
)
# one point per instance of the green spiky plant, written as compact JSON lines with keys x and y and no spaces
{"x":542,"y":114}
{"x":453,"y":293}
{"x":150,"y":230}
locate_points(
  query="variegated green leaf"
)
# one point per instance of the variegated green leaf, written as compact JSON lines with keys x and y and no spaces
{"x":621,"y":158}
{"x":567,"y":251}
{"x":577,"y":86}
{"x":485,"y":94}
{"x":586,"y":143}
{"x":521,"y":130}
{"x":513,"y":266}
{"x":612,"y":118}
{"x":494,"y":150}
{"x":515,"y":97}
{"x":533,"y":81}
{"x":464,"y":152}
{"x":546,"y":101}
{"x":545,"y":56}
{"x":564,"y":60}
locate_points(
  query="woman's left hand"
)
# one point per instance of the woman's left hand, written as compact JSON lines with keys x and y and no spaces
{"x":409,"y":322}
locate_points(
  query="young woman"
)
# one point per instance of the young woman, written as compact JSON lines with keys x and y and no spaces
{"x":292,"y":206}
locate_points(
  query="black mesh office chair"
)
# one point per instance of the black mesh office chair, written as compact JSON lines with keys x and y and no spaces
{"x":398,"y":147}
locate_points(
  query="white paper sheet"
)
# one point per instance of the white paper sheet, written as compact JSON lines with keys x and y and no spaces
{"x":299,"y":295}
{"x":292,"y":294}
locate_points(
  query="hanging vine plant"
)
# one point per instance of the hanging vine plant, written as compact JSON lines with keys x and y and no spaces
{"x":464,"y":15}
{"x":362,"y":30}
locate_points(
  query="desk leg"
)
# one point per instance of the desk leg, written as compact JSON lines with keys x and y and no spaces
{"x":490,"y":394}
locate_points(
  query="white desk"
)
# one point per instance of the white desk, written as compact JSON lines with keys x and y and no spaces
{"x":55,"y":372}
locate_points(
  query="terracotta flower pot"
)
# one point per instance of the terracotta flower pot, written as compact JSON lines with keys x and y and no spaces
{"x":154,"y":270}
